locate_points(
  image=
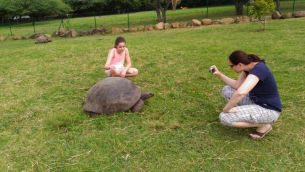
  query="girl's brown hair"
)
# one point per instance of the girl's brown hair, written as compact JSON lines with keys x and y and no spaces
{"x":119,"y":40}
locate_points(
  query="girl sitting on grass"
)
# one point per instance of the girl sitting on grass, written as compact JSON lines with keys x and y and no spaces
{"x":116,"y":59}
{"x":253,"y":99}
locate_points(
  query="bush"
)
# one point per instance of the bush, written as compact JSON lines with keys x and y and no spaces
{"x":260,"y":8}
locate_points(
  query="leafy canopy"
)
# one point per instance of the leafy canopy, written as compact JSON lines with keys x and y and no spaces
{"x":11,"y":8}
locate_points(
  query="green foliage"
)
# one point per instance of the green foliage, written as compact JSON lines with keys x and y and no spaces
{"x":258,"y":9}
{"x":33,"y":7}
{"x":93,"y":7}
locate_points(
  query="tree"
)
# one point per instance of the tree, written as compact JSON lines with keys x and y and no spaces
{"x":278,"y":5}
{"x":87,"y":6}
{"x":260,"y":8}
{"x":33,"y":8}
{"x":162,"y":6}
{"x":239,"y":6}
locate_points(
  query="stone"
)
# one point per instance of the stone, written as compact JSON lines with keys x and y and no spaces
{"x":196,"y":22}
{"x":276,"y":15}
{"x":133,"y":29}
{"x":217,"y":21}
{"x":159,"y":26}
{"x":35,"y":35}
{"x":148,"y":28}
{"x":16,"y":37}
{"x":183,"y":24}
{"x":227,"y":21}
{"x":141,"y":28}
{"x":175,"y":25}
{"x":61,"y":32}
{"x":299,"y":14}
{"x":85,"y":33}
{"x":3,"y":38}
{"x":242,"y":19}
{"x":167,"y":26}
{"x":116,"y":30}
{"x":42,"y":39}
{"x":71,"y":33}
{"x":206,"y":21}
{"x":98,"y":31}
{"x":286,"y":15}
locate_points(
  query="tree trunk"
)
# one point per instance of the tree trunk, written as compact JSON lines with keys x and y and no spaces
{"x":239,"y":7}
{"x":158,"y":10}
{"x":161,"y":11}
{"x":278,"y":5}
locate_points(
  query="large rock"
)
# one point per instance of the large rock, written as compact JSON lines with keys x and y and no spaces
{"x":217,"y":21}
{"x":35,"y":35}
{"x":99,"y":31}
{"x":268,"y":18}
{"x":42,"y":39}
{"x":175,"y":25}
{"x":148,"y":28}
{"x":17,"y":37}
{"x":61,"y":32}
{"x":299,"y":14}
{"x":133,"y":29}
{"x":71,"y":33}
{"x":159,"y":26}
{"x":125,"y":29}
{"x":242,"y":19}
{"x":196,"y":22}
{"x":286,"y":15}
{"x":167,"y":26}
{"x":227,"y":21}
{"x":183,"y":24}
{"x":141,"y":28}
{"x":3,"y":38}
{"x":206,"y":21}
{"x":116,"y":30}
{"x":85,"y":33}
{"x":276,"y":15}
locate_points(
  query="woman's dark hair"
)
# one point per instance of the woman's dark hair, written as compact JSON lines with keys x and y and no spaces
{"x":244,"y":58}
{"x":119,"y":40}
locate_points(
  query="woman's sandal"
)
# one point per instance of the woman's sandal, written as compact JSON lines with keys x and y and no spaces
{"x":258,"y":135}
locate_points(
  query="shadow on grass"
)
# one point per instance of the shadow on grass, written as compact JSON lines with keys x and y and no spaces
{"x":217,"y":130}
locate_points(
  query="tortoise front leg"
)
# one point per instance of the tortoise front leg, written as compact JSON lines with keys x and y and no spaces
{"x":138,"y":106}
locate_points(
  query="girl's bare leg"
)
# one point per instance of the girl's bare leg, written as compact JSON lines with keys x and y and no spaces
{"x":132,"y":72}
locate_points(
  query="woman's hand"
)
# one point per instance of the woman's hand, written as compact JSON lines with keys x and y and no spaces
{"x":214,"y":70}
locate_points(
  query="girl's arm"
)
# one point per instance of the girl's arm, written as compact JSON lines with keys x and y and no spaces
{"x":128,"y":62}
{"x":109,"y":58}
{"x":249,"y":83}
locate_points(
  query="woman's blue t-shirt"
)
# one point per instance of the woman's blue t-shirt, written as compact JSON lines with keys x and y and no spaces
{"x":265,"y":93}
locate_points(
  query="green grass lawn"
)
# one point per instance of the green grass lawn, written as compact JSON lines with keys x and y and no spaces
{"x":43,"y":86}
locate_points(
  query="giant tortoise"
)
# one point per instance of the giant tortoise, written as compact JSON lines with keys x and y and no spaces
{"x":114,"y":94}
